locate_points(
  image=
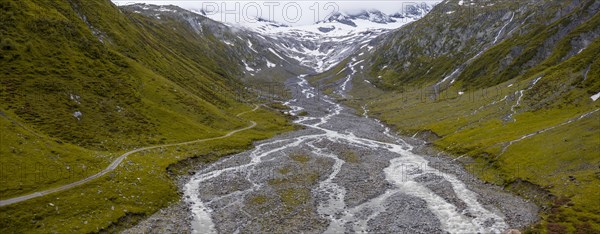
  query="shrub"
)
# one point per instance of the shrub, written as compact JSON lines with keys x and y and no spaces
{"x":7,"y":44}
{"x":556,"y":228}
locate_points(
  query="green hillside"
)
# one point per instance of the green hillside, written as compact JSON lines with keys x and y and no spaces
{"x":82,"y":82}
{"x":520,"y":113}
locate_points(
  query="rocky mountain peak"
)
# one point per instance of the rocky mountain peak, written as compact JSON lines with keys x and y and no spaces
{"x":376,"y":16}
{"x":373,"y":15}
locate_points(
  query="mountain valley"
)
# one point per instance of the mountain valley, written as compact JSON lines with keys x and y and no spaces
{"x":455,"y":116}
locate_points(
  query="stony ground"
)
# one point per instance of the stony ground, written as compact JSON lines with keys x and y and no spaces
{"x":342,"y":173}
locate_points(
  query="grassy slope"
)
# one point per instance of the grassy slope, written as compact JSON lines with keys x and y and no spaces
{"x":102,"y":204}
{"x":137,"y":81}
{"x":547,"y":159}
{"x":558,"y":166}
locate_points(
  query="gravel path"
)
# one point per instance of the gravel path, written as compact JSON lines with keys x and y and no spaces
{"x":118,"y":162}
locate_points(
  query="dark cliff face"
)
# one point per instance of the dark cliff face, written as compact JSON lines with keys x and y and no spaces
{"x":484,"y":43}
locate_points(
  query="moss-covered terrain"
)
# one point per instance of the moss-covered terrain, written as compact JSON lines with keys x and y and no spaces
{"x":81,"y":83}
{"x":139,"y":187}
{"x":547,"y":155}
{"x":519,"y":113}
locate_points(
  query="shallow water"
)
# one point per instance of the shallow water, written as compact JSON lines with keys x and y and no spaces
{"x":359,"y":196}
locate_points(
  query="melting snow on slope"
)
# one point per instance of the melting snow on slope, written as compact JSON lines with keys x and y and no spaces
{"x":164,"y":9}
{"x":78,"y":115}
{"x":317,"y":48}
{"x":276,"y":54}
{"x":352,"y":68}
{"x":595,"y":96}
{"x":314,"y":30}
{"x":467,"y":3}
{"x":248,"y":68}
{"x":75,"y":98}
{"x":250,"y":46}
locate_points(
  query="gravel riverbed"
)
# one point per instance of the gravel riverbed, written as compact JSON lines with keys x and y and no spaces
{"x":342,"y":173}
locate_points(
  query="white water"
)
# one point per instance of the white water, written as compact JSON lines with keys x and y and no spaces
{"x":352,"y":68}
{"x":202,"y":222}
{"x":502,"y":29}
{"x":520,"y":96}
{"x":334,"y":207}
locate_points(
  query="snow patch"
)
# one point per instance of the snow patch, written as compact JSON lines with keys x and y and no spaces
{"x":248,"y":68}
{"x":78,"y":115}
{"x":595,"y":96}
{"x":276,"y":54}
{"x":318,"y":49}
{"x":75,"y":98}
{"x":250,"y":46}
{"x":163,"y":9}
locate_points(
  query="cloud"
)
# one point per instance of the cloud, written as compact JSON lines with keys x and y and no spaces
{"x":288,"y":12}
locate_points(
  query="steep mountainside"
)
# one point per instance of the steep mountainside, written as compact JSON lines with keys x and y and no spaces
{"x":473,"y":35}
{"x":82,"y":82}
{"x":88,"y":74}
{"x":246,"y":52}
{"x":320,"y":46}
{"x":510,"y":88}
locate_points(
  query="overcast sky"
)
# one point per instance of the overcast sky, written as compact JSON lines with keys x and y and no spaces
{"x":288,"y":12}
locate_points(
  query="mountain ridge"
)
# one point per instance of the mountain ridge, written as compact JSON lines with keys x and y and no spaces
{"x":505,"y":88}
{"x":508,"y":88}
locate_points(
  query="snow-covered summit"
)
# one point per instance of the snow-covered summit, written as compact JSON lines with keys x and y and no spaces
{"x":374,"y":16}
{"x":414,"y":11}
{"x":325,"y":43}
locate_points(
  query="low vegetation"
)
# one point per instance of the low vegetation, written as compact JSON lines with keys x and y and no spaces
{"x":547,"y":136}
{"x":139,"y":187}
{"x":83,"y":82}
{"x":528,"y":124}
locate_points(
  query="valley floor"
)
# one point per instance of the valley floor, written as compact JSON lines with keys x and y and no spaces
{"x":548,"y":156}
{"x":341,"y":173}
{"x":136,"y":185}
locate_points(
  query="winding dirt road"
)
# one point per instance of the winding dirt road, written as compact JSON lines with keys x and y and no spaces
{"x":117,"y":162}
